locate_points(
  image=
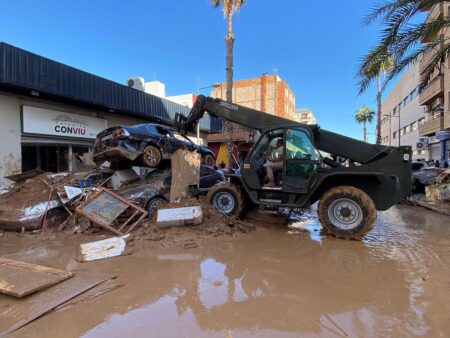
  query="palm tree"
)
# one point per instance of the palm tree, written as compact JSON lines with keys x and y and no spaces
{"x":364,"y":115}
{"x":378,"y":70}
{"x":405,"y":36}
{"x":229,"y":7}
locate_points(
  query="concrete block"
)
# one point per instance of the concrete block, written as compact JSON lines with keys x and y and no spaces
{"x":179,"y":217}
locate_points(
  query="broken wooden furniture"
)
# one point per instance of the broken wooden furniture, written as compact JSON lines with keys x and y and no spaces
{"x":105,"y":207}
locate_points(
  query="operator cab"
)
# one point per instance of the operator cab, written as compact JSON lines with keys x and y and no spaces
{"x":300,"y":161}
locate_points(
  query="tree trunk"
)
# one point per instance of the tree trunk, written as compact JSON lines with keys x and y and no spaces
{"x":229,"y":41}
{"x":365,"y":131}
{"x":379,"y":109}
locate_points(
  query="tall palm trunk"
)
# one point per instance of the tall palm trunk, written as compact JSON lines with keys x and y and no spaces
{"x":229,"y":41}
{"x":379,"y":108}
{"x":365,"y":131}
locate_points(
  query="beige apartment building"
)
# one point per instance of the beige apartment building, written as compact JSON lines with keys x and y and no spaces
{"x":435,"y":96}
{"x":305,"y":116}
{"x":403,"y":115}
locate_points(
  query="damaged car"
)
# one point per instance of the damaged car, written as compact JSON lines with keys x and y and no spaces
{"x":154,"y":188}
{"x":144,"y":145}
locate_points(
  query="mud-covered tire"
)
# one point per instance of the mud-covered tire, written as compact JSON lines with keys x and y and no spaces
{"x":346,"y":212}
{"x":151,"y":156}
{"x":227,"y":198}
{"x":209,"y":160}
{"x":153,"y":205}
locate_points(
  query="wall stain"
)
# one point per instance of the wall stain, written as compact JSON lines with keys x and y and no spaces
{"x":10,"y":165}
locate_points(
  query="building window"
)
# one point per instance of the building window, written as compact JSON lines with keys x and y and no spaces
{"x":394,"y":135}
{"x":395,"y":111}
{"x":421,"y":121}
{"x":413,"y":126}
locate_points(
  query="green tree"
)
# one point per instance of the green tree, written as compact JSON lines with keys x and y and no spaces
{"x":405,"y":36}
{"x":364,"y":115}
{"x":229,"y":7}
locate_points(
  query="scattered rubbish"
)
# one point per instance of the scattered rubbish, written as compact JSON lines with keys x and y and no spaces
{"x":105,"y":207}
{"x":106,"y":248}
{"x":25,"y":175}
{"x":185,"y":172}
{"x":23,"y":311}
{"x":72,"y":192}
{"x":438,"y":192}
{"x":122,"y":177}
{"x":19,"y":279}
{"x":179,"y":216}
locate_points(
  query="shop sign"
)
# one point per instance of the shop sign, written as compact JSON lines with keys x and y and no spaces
{"x":52,"y":122}
{"x":443,"y":135}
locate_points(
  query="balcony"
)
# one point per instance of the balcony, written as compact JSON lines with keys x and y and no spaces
{"x":432,"y":90}
{"x":240,"y":134}
{"x":427,"y":57}
{"x":431,"y":125}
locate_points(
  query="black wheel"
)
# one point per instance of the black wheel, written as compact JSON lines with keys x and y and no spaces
{"x":151,"y":157}
{"x":153,"y":204}
{"x":346,"y":212}
{"x":226,"y":198}
{"x":209,"y":160}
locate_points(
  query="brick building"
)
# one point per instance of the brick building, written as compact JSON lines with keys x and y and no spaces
{"x":268,"y":93}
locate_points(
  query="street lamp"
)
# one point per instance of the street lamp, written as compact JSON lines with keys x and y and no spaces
{"x":390,"y":127}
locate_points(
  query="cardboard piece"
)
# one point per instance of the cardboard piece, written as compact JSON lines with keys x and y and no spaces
{"x":185,"y":172}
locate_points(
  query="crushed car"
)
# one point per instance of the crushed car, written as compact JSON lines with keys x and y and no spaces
{"x":144,"y":145}
{"x":422,"y":176}
{"x":154,"y":188}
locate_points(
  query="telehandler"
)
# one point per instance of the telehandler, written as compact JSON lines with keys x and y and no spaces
{"x":374,"y":177}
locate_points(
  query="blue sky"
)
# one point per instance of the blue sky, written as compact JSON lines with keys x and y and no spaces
{"x":314,"y":45}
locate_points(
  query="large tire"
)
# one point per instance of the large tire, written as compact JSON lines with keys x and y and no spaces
{"x":209,"y":160}
{"x":151,"y":156}
{"x":346,"y":212}
{"x":227,"y":198}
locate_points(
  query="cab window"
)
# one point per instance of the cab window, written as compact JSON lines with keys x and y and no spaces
{"x":299,"y":146}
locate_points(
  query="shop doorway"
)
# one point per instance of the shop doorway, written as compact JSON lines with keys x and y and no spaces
{"x":52,"y":158}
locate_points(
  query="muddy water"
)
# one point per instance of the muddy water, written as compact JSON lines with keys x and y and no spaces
{"x":275,"y":282}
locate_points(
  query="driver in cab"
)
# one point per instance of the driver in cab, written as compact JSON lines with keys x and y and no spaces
{"x":275,"y":164}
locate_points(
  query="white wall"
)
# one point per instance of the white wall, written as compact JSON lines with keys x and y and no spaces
{"x":10,"y":150}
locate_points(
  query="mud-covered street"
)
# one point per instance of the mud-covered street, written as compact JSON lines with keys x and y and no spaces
{"x":274,"y":282}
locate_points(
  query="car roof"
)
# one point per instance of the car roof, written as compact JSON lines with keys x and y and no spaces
{"x":146,"y":124}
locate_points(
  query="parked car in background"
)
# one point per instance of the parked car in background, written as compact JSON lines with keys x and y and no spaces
{"x":144,"y":145}
{"x":154,"y":188}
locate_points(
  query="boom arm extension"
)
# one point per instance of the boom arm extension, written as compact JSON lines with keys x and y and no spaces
{"x":327,"y":141}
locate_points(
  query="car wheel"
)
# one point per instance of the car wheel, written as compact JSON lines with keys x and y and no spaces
{"x":153,"y":204}
{"x":151,"y":157}
{"x":209,"y":160}
{"x":346,"y":212}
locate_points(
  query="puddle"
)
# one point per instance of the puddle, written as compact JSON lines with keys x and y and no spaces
{"x":396,"y":282}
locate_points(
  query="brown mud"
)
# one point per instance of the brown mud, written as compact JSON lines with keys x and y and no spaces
{"x":272,"y":282}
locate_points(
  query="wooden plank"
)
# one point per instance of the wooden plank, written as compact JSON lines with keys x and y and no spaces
{"x":19,"y":279}
{"x":16,"y":313}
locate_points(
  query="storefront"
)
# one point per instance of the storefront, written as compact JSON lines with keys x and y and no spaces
{"x":55,"y":140}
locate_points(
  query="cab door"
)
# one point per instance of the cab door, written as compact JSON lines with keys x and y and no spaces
{"x":301,"y":160}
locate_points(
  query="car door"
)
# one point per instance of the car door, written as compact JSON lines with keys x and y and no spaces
{"x":301,"y":160}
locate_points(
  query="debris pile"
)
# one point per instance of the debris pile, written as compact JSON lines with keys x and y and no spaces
{"x":214,"y":224}
{"x":437,"y":195}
